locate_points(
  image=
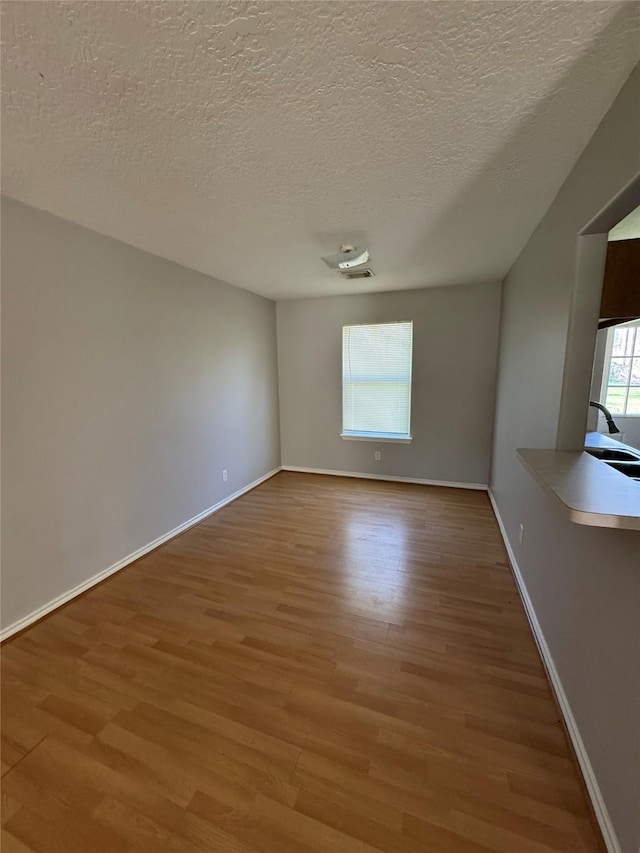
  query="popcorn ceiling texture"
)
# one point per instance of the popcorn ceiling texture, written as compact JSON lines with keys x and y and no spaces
{"x":246,"y":140}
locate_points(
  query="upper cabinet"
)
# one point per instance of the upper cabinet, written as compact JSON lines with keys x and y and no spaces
{"x":621,"y":285}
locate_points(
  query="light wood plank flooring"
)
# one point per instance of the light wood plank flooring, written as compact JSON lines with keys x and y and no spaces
{"x":326,"y":664}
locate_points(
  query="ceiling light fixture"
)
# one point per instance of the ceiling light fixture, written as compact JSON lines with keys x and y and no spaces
{"x":347,"y":257}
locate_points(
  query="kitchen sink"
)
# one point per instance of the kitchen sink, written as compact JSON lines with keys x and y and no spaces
{"x":627,"y":462}
{"x":631,"y":469}
{"x":610,"y":454}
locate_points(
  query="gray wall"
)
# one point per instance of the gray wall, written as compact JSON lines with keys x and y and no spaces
{"x":628,"y":426}
{"x":454,"y":363}
{"x":584,"y":583}
{"x":128,"y":384}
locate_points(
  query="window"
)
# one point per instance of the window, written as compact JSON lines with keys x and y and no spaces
{"x":621,"y":377}
{"x":376,"y":381}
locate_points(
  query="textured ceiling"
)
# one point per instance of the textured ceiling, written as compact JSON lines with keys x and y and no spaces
{"x":246,"y":140}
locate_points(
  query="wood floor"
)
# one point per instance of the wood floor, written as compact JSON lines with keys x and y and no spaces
{"x":326,"y":664}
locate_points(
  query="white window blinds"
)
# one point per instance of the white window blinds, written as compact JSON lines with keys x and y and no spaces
{"x":376,"y":380}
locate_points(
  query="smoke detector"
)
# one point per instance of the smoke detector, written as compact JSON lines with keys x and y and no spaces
{"x":347,"y":257}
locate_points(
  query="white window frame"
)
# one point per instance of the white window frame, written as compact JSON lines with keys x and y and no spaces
{"x":607,"y":366}
{"x":352,"y":435}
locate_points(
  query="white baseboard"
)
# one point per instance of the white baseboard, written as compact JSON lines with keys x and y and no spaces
{"x":597,"y":801}
{"x":480,"y":486}
{"x":130,"y":558}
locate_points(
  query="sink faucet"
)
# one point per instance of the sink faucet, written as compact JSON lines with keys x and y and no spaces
{"x":610,"y":422}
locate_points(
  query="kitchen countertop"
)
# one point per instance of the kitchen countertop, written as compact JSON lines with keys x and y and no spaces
{"x":588,"y":490}
{"x":598,"y":439}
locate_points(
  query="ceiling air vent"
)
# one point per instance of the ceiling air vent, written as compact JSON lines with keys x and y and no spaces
{"x":350,"y":274}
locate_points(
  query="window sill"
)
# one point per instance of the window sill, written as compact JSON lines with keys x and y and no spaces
{"x":400,"y":438}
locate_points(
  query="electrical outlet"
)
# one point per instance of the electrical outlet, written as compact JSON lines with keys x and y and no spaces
{"x":377,"y":455}
{"x":224,"y":476}
{"x":521,"y":534}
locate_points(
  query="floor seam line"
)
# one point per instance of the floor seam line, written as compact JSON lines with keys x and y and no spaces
{"x":22,"y":758}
